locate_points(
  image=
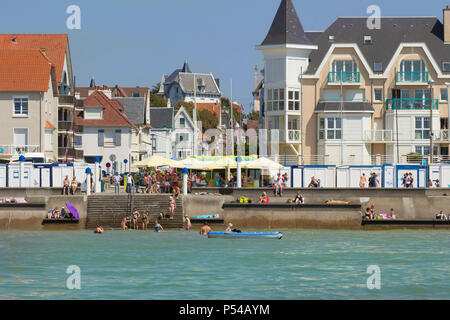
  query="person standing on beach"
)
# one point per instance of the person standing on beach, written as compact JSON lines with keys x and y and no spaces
{"x":123,"y":224}
{"x":144,"y":221}
{"x":205,"y":229}
{"x":362,"y":181}
{"x":134,"y":218}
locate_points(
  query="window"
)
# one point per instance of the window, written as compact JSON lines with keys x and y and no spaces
{"x":446,"y":66}
{"x":274,"y":123}
{"x":293,"y":124}
{"x":21,"y":107}
{"x":424,"y":150}
{"x":293,"y":100}
{"x":331,"y":127}
{"x":180,"y":137}
{"x":275,"y":99}
{"x":444,"y":94}
{"x":378,"y":67}
{"x":378,"y":95}
{"x":78,"y":140}
{"x":331,"y":38}
{"x":347,"y":68}
{"x":422,"y":128}
{"x":136,"y":94}
{"x":91,"y":113}
{"x":367,"y":39}
{"x":182,"y":122}
{"x":412,"y":71}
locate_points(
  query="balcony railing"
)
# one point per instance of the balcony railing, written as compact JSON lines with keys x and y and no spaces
{"x":441,"y":135}
{"x":70,"y":153}
{"x":65,"y":125}
{"x":382,"y":135}
{"x":294,"y":135}
{"x":14,"y":149}
{"x":412,"y":104}
{"x":66,"y":100}
{"x":413,"y":77}
{"x":346,"y":77}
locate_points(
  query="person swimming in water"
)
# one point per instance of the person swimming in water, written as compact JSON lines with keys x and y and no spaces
{"x":188,"y":223}
{"x":99,"y":229}
{"x":228,"y":229}
{"x":158,"y":227}
{"x":205,"y":229}
{"x":123,"y":224}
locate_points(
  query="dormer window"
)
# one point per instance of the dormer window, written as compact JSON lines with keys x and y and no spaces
{"x":136,"y":94}
{"x":331,"y":38}
{"x":378,"y":67}
{"x":412,"y":71}
{"x":446,"y":66}
{"x":367,"y":39}
{"x":201,"y":85}
{"x":345,"y":70}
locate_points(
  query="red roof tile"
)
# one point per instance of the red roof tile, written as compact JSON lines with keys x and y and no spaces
{"x":112,"y":116}
{"x":24,"y":70}
{"x":54,"y":45}
{"x":49,"y":125}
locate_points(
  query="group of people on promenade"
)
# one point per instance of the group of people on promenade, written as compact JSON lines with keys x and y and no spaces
{"x":374,"y":181}
{"x":408,"y":180}
{"x":70,"y":185}
{"x":370,"y":214}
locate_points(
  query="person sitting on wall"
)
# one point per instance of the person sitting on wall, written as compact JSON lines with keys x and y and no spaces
{"x":299,"y":198}
{"x":263,"y":198}
{"x":74,"y":185}
{"x":314,"y":183}
{"x":437,"y":183}
{"x":66,"y":185}
{"x":367,"y":214}
{"x":392,"y":214}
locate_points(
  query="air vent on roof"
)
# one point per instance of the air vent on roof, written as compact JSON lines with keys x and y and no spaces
{"x":367,"y":39}
{"x":446,"y":66}
{"x":378,"y":67}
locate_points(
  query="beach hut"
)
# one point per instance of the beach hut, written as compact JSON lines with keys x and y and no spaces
{"x":326,"y":175}
{"x":355,"y":173}
{"x":388,"y":175}
{"x":296,"y":176}
{"x":41,"y":175}
{"x":343,"y":177}
{"x":419,"y":173}
{"x":3,"y":174}
{"x":15,"y":179}
{"x":59,"y":173}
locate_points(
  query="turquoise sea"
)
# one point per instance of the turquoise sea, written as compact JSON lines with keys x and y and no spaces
{"x":305,"y":264}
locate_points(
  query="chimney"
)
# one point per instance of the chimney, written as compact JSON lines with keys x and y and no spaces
{"x":447,"y":24}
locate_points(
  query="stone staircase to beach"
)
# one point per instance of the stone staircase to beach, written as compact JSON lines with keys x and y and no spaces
{"x":108,"y":210}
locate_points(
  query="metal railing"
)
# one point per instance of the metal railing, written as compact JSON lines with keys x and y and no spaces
{"x":347,"y":77}
{"x":65,"y":125}
{"x":381,"y":135}
{"x":70,"y":153}
{"x":412,"y":77}
{"x":66,"y":99}
{"x":293,"y":135}
{"x":412,"y":104}
{"x":379,"y":159}
{"x":441,"y":135}
{"x":14,"y":149}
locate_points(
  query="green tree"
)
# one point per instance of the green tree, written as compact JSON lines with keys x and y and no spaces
{"x":208,"y":118}
{"x":254,"y":115}
{"x":189,"y":106}
{"x":155,"y":88}
{"x":157,"y":101}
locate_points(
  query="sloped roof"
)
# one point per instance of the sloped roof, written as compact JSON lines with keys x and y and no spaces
{"x":134,"y":109}
{"x":161,"y":118}
{"x":286,"y":27}
{"x":186,"y":81}
{"x":112,"y":116}
{"x":385,"y":41}
{"x":24,"y":70}
{"x":54,"y":45}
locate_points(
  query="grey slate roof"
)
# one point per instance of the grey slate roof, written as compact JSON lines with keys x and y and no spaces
{"x":323,"y":106}
{"x":161,"y":118}
{"x":286,"y":27}
{"x":186,"y":81}
{"x":134,"y":108}
{"x":385,"y":41}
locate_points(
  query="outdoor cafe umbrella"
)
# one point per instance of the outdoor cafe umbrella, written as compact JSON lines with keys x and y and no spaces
{"x":263,"y":163}
{"x":155,"y":161}
{"x":190,"y":163}
{"x":73,"y":210}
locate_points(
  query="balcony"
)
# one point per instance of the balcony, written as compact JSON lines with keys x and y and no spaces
{"x":66,"y":100}
{"x":69,"y":153}
{"x":346,"y":77}
{"x":412,"y":77}
{"x":378,"y":136}
{"x":292,"y":135}
{"x":441,"y":136}
{"x":65,"y":125}
{"x":13,"y":149}
{"x":412,"y":104}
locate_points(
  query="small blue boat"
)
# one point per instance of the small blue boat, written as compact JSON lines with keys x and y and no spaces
{"x":245,"y":235}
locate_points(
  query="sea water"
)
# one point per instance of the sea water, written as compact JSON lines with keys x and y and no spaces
{"x":305,"y":264}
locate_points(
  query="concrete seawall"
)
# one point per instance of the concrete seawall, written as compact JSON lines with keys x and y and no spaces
{"x":30,"y":218}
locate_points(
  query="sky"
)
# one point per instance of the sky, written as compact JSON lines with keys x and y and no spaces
{"x":135,"y":42}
